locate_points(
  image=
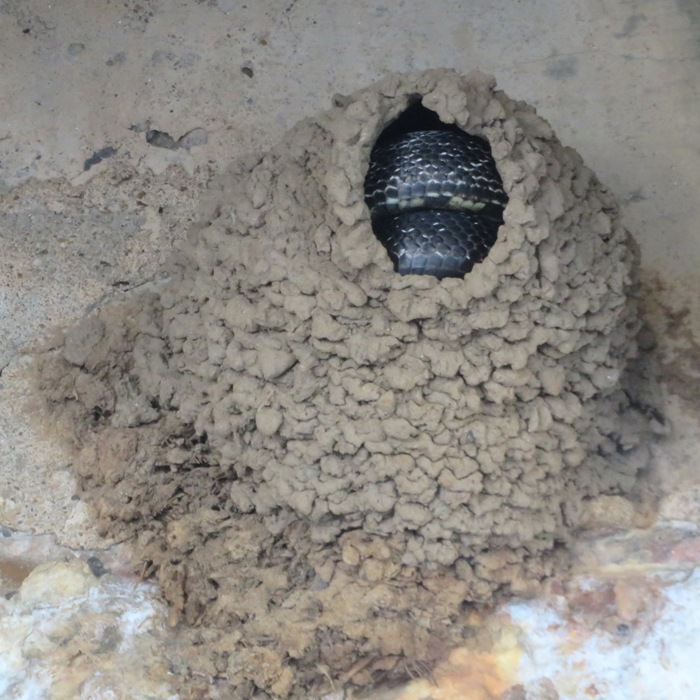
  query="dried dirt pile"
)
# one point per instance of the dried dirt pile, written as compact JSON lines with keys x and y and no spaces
{"x":322,"y":459}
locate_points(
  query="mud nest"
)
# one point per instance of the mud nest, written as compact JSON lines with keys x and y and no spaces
{"x":321,"y":460}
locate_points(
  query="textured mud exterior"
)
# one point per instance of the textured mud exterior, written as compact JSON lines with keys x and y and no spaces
{"x":388,"y":446}
{"x":464,"y":414}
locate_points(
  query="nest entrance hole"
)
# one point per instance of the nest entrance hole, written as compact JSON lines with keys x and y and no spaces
{"x":436,"y":201}
{"x":416,"y":117}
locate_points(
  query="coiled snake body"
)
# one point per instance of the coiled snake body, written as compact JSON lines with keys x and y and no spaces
{"x":436,"y":201}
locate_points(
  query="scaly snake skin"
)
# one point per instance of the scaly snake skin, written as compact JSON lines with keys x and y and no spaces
{"x":436,"y":201}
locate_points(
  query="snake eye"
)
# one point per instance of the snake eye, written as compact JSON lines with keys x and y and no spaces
{"x":426,"y":176}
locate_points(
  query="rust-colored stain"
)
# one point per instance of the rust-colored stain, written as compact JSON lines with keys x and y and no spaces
{"x":475,"y":675}
{"x":12,"y":573}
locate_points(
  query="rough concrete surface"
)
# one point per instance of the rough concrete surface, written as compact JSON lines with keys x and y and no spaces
{"x":115,"y":116}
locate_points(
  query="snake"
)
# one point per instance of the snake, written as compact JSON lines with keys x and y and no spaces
{"x":436,"y":200}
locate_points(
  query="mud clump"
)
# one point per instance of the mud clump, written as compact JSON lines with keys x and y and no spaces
{"x":320,"y":460}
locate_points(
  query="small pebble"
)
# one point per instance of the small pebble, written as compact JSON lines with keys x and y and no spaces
{"x":96,"y":566}
{"x":161,"y":139}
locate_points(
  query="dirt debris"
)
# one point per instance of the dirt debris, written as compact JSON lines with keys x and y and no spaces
{"x":323,"y":462}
